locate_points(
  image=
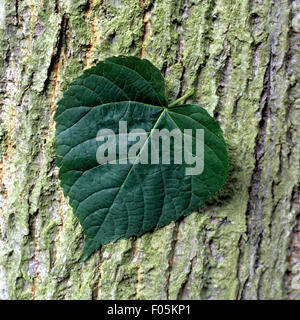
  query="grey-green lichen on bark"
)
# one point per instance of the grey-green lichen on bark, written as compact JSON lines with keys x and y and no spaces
{"x":242,"y":59}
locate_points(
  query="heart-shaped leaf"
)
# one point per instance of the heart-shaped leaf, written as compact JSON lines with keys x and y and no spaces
{"x":122,"y":198}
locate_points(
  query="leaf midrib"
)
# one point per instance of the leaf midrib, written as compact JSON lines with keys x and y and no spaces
{"x":131,"y":168}
{"x":149,"y":137}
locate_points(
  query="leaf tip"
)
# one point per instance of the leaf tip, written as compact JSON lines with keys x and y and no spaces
{"x":84,"y":257}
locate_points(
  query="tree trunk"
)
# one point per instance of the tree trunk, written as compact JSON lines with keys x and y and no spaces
{"x":243,"y":60}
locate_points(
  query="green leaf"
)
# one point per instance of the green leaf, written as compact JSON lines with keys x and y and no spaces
{"x":115,"y":201}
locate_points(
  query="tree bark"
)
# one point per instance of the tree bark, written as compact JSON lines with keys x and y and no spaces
{"x":242,"y":59}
